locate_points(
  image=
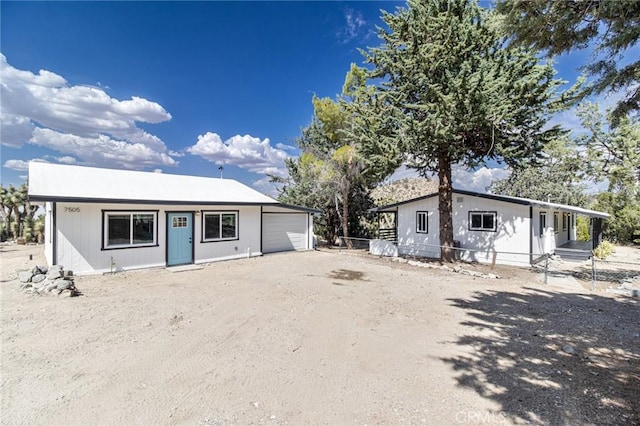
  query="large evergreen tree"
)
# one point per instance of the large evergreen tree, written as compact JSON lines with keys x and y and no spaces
{"x":456,"y":95}
{"x":611,"y":27}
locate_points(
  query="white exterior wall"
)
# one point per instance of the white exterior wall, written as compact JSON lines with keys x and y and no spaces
{"x":48,"y":232}
{"x":547,"y":240}
{"x":510,"y":240}
{"x":79,"y":238}
{"x":412,"y":243}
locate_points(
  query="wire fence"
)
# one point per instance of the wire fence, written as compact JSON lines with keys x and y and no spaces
{"x":586,"y":267}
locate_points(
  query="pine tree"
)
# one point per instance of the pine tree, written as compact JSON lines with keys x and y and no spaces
{"x":453,"y":94}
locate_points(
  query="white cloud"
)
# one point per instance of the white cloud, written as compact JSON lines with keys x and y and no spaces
{"x":463,"y":178}
{"x":66,"y":160}
{"x":354,"y":22}
{"x":16,"y":164}
{"x":20,"y":164}
{"x":476,"y":180}
{"x":36,"y":106}
{"x":267,"y":187}
{"x":102,"y":149}
{"x":247,"y":152}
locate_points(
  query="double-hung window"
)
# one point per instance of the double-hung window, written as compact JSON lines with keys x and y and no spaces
{"x":482,"y":221}
{"x":543,"y":223}
{"x":219,"y":226}
{"x":124,"y":229}
{"x":422,"y":222}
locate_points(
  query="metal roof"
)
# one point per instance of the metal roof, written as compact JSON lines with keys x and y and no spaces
{"x":506,"y":199}
{"x":59,"y":182}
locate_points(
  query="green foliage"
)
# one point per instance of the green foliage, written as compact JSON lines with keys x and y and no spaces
{"x":582,"y":228}
{"x":604,"y":250}
{"x":625,"y":216}
{"x":555,"y":178}
{"x":16,"y":213}
{"x":613,"y":26}
{"x":612,"y":154}
{"x":331,"y":174}
{"x":449,"y":92}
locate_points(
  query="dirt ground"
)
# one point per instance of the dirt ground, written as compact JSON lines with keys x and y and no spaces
{"x":322,"y":337}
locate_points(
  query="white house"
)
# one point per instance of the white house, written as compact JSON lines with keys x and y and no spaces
{"x":101,"y":220}
{"x":511,"y":230}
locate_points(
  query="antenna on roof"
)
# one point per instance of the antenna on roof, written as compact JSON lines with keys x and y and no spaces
{"x":221,"y":168}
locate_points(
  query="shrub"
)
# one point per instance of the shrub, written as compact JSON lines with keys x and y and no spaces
{"x":604,"y":250}
{"x":582,"y":224}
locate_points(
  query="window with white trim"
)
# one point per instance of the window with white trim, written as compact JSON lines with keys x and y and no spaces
{"x":124,"y":229}
{"x":556,"y":224}
{"x":219,"y":226}
{"x":422,"y":222}
{"x":543,"y":223}
{"x":482,"y":221}
{"x":565,"y":218}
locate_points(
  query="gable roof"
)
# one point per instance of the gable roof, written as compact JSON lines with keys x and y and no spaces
{"x":503,"y":198}
{"x":64,"y":183}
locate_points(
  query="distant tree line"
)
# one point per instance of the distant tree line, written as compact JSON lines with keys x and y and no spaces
{"x":17,"y":216}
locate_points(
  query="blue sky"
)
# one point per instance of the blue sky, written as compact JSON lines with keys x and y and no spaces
{"x":178,"y":87}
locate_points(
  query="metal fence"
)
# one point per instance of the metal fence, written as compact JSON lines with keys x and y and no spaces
{"x":598,"y":272}
{"x":591,"y":272}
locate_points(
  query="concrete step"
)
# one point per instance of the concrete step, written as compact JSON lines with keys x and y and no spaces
{"x":572,"y":254}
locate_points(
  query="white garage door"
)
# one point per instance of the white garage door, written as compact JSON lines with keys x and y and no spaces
{"x":284,"y":232}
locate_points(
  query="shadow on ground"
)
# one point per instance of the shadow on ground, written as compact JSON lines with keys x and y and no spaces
{"x":553,"y":358}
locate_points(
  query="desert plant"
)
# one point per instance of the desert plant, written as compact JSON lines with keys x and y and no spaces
{"x":604,"y":250}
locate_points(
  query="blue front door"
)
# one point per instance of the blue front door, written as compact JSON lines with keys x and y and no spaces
{"x":179,"y":238}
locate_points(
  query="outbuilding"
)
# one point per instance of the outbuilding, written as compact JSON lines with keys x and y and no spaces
{"x":103,"y":220}
{"x":488,"y":228}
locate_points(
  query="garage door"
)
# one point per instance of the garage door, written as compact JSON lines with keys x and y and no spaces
{"x":284,"y":232}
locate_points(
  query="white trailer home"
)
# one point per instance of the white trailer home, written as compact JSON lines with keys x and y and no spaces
{"x":511,"y":230}
{"x":101,"y":220}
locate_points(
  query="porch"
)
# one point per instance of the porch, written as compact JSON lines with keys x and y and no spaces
{"x":574,"y":250}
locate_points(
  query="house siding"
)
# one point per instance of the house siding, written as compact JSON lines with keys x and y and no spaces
{"x":510,"y":241}
{"x":547,"y":240}
{"x":79,"y":228}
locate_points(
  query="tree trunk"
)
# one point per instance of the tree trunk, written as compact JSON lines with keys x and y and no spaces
{"x":345,"y":216}
{"x":445,"y":204}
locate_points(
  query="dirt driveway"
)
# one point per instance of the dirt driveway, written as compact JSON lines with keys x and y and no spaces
{"x":315,"y":338}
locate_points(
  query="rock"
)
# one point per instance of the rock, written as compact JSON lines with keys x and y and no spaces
{"x":457,"y":268}
{"x":624,"y":292}
{"x":569,"y":349}
{"x":25,"y":276}
{"x":65,"y":293}
{"x":38,"y":278}
{"x":55,"y":272}
{"x":492,"y":276}
{"x":63,"y":284}
{"x":626,"y":286}
{"x":40,"y":270}
{"x":50,"y":286}
{"x":26,"y":285}
{"x":413,"y":263}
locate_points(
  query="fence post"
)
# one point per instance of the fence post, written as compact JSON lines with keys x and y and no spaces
{"x":546,"y":267}
{"x":593,"y":273}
